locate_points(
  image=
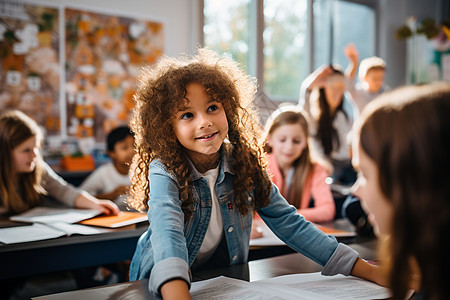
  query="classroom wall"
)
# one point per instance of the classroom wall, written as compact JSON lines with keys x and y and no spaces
{"x":177,"y":15}
{"x":392,"y":14}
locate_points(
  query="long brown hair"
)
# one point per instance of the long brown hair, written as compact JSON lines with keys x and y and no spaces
{"x":304,"y":163}
{"x":19,"y":193}
{"x":407,"y":134}
{"x":326,"y":133}
{"x":162,"y":89}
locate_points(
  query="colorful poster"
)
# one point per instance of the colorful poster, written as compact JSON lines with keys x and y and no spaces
{"x":30,"y":67}
{"x":104,"y":54}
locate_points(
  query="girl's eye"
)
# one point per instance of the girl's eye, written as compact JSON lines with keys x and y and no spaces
{"x":186,"y":116}
{"x":297,"y":141}
{"x":213,"y":107}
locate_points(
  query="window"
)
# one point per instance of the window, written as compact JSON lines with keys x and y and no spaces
{"x":352,"y":23}
{"x":226,"y":29}
{"x":290,"y":47}
{"x":285,"y":47}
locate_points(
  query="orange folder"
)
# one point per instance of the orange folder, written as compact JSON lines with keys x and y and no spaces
{"x":123,"y":219}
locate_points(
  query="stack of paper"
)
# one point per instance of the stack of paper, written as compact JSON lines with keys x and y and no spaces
{"x":306,"y":286}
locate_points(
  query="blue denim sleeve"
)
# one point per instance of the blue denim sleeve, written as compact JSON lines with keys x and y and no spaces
{"x":166,"y":270}
{"x":168,"y":244}
{"x":295,"y":231}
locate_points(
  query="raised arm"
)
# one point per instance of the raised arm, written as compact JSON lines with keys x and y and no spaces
{"x":353,"y":60}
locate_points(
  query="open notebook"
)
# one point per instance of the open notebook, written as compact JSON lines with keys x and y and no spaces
{"x":50,"y":222}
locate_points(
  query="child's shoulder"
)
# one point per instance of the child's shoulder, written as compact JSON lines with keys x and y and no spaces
{"x":157,"y":167}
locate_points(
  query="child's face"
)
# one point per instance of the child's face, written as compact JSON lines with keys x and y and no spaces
{"x":201,"y":125}
{"x":25,"y":155}
{"x":375,"y":80}
{"x":288,"y":142}
{"x":123,"y":151}
{"x":334,"y":90}
{"x":367,"y":188}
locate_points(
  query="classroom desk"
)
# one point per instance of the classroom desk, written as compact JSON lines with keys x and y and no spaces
{"x":79,"y":251}
{"x":66,"y":253}
{"x":252,"y":271}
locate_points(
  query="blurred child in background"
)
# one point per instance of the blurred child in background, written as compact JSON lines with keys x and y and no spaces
{"x":301,"y":180}
{"x":332,"y":114}
{"x":111,"y":180}
{"x":25,"y":179}
{"x":371,"y":75}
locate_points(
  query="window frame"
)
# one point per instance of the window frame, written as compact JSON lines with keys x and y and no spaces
{"x":256,"y":62}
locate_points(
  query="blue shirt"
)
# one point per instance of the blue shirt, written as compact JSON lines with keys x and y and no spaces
{"x":169,"y":247}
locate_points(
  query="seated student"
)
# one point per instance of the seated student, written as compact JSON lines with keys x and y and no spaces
{"x":332,"y":115}
{"x":402,"y":151}
{"x":111,"y":180}
{"x":24,"y":176}
{"x":200,"y":174}
{"x":300,"y":179}
{"x":371,"y":77}
{"x":25,"y":181}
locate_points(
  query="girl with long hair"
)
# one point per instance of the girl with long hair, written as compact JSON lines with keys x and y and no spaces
{"x":25,"y":179}
{"x":401,"y":147}
{"x":300,"y":178}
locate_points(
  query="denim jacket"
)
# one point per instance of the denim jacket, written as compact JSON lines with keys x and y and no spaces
{"x":169,"y":247}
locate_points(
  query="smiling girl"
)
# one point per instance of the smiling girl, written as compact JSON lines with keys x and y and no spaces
{"x":301,"y":180}
{"x":200,"y":173}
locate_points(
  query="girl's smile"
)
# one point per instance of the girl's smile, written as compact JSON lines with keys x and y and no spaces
{"x":200,"y":126}
{"x":288,"y":142}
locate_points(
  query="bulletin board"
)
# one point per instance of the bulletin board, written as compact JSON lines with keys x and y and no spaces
{"x":30,"y":66}
{"x":104,"y":54}
{"x":73,"y":70}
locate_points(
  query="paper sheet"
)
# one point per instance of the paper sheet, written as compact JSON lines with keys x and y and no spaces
{"x":270,"y":239}
{"x":37,"y":232}
{"x":311,"y":286}
{"x":319,"y":287}
{"x":29,"y":233}
{"x":228,"y":288}
{"x":53,"y":214}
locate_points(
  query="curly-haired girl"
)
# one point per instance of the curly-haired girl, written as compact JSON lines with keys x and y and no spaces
{"x":199,"y":170}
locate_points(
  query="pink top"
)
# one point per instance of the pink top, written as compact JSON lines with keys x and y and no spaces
{"x":324,"y":207}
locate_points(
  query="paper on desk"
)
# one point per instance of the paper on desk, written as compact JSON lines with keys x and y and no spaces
{"x":228,"y":288}
{"x":52,"y":214}
{"x":318,"y":287}
{"x":37,"y":232}
{"x":270,"y":239}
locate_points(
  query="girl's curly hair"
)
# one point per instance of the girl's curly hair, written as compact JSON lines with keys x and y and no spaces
{"x":161,"y":91}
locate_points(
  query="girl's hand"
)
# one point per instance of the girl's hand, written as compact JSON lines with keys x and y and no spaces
{"x":352,"y":53}
{"x":321,"y":77}
{"x":107,"y":207}
{"x":175,"y":289}
{"x":369,"y":272}
{"x":85,"y":200}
